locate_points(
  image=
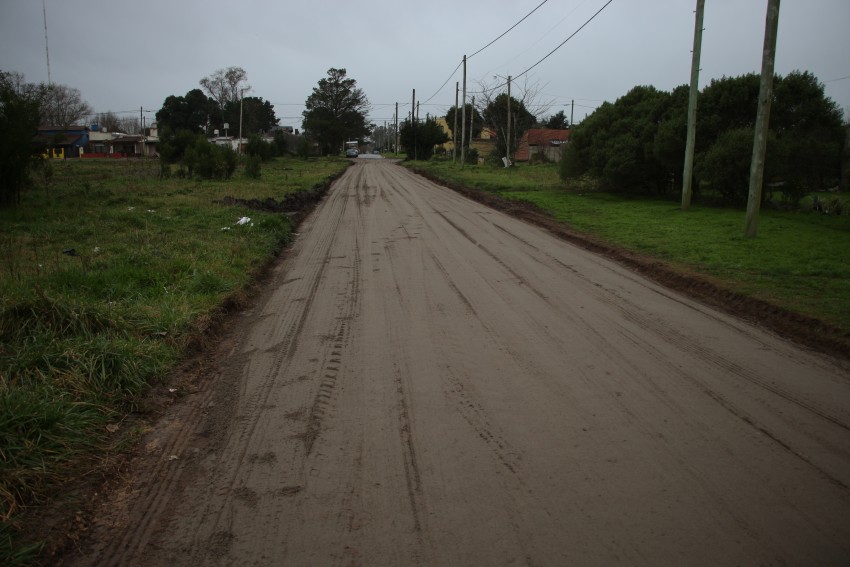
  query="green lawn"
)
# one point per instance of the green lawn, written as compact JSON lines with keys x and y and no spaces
{"x":800,"y":260}
{"x":107,"y":274}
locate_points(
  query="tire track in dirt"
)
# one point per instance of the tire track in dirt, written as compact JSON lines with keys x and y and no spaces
{"x":432,"y":383}
{"x":670,"y":336}
{"x":231,"y":467}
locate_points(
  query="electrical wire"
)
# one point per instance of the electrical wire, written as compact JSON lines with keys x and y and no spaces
{"x":548,"y":54}
{"x":444,"y":84}
{"x":506,"y":31}
{"x":566,"y":40}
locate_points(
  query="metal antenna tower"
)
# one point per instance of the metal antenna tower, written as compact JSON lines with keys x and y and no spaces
{"x":46,"y":50}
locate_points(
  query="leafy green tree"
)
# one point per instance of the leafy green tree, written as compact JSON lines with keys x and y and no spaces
{"x":726,"y":104}
{"x":477,"y":122}
{"x":495,"y":116}
{"x":419,"y":140}
{"x":616,"y":143}
{"x":257,"y":116}
{"x":725,"y":167}
{"x":557,"y":121}
{"x":193,"y":112}
{"x":637,"y":143}
{"x":19,"y":120}
{"x":670,"y":137}
{"x":336,"y":112}
{"x":809,"y":126}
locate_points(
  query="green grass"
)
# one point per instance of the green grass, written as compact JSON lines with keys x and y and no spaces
{"x":799,"y":261}
{"x":84,"y":334}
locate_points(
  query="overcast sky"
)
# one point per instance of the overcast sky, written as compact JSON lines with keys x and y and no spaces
{"x":126,"y":55}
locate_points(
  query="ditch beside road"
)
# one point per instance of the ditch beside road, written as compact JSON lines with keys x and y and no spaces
{"x":427,"y":381}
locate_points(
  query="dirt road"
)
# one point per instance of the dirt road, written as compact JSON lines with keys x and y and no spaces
{"x":429,"y":382}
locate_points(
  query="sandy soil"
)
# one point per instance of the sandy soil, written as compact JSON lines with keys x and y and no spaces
{"x":427,"y":381}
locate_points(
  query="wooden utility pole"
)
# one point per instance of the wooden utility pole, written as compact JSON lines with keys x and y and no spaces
{"x":845,"y":160}
{"x":688,"y":173}
{"x":508,"y":137}
{"x":463,"y":118}
{"x":572,"y":110}
{"x":413,"y":121}
{"x":454,"y":130}
{"x":471,"y":119}
{"x":762,"y":119}
{"x":396,"y":128}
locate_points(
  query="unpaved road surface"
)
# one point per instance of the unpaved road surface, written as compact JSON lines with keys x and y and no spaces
{"x":426,"y":381}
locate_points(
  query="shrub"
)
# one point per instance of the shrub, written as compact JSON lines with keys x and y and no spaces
{"x":253,"y":168}
{"x":208,"y":161}
{"x":279,"y":144}
{"x":257,"y":147}
{"x":726,"y":165}
{"x":304,"y":148}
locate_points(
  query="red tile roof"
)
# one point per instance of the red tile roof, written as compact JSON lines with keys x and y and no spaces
{"x":540,"y":137}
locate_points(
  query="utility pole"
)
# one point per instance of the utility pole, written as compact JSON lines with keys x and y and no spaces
{"x":688,"y":173}
{"x":508,"y":137}
{"x":471,"y":120}
{"x":413,"y":121}
{"x":454,"y":130}
{"x":463,"y":118}
{"x":762,"y":119}
{"x":572,"y":110}
{"x":241,"y":98}
{"x":396,"y":128}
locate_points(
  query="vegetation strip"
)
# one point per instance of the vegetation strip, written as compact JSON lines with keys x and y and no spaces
{"x":809,"y":331}
{"x":111,"y":275}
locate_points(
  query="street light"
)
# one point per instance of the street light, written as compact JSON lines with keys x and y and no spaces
{"x":508,"y":136}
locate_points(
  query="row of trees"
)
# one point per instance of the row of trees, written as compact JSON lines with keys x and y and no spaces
{"x":220,"y":102}
{"x":637,"y":144}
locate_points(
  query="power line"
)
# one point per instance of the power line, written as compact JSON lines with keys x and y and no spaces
{"x":482,"y":49}
{"x":447,"y":80}
{"x":565,"y":41}
{"x":540,"y":38}
{"x":506,"y":31}
{"x":548,"y":54}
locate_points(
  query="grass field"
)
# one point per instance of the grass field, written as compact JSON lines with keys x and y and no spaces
{"x":107,"y":273}
{"x":800,"y":260}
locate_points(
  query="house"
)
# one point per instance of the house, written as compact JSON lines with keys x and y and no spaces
{"x":99,"y":140}
{"x":63,"y":142}
{"x":132,"y":145}
{"x":542,"y":141}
